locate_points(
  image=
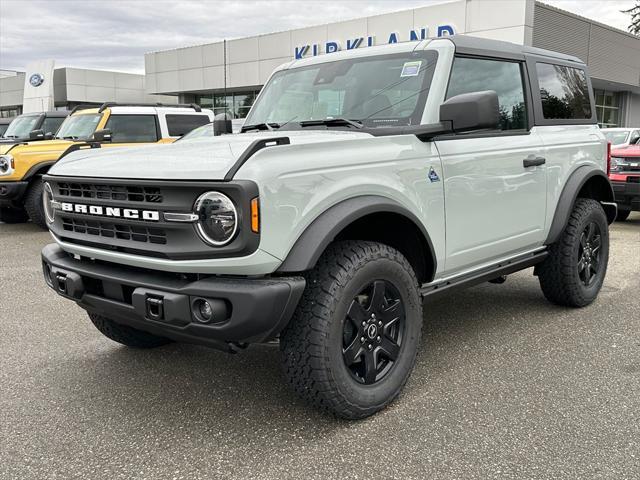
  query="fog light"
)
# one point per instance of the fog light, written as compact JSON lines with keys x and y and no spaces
{"x":205,"y":310}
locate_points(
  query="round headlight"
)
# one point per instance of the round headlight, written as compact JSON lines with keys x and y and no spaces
{"x":217,"y":218}
{"x":47,"y":200}
{"x":5,"y":165}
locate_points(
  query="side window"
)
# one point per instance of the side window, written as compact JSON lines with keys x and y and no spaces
{"x":564,"y":92}
{"x":133,"y":128}
{"x":178,"y":125}
{"x":51,"y":124}
{"x":505,"y":78}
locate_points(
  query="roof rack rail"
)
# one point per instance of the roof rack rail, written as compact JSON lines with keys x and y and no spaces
{"x":106,"y":105}
{"x":83,"y":106}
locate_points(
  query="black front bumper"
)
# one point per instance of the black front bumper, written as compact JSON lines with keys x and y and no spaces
{"x":627,"y":194}
{"x":252,"y":309}
{"x":11,"y":193}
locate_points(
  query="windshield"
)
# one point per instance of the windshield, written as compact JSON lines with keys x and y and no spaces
{"x":383,"y":90}
{"x":79,"y":127}
{"x":21,"y":126}
{"x":205,"y":131}
{"x":616,"y":138}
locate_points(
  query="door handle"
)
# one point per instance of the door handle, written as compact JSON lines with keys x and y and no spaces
{"x":533,"y":162}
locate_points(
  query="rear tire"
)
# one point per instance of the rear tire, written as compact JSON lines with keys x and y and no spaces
{"x":33,"y":203}
{"x":13,"y":215}
{"x":622,"y":215}
{"x":574,"y":271}
{"x":131,"y":337}
{"x":352,"y":342}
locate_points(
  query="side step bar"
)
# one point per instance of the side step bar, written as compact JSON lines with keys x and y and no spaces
{"x":483,"y":275}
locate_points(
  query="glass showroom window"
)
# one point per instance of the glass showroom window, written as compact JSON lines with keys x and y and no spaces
{"x":10,"y":112}
{"x":236,"y":105}
{"x":608,"y":108}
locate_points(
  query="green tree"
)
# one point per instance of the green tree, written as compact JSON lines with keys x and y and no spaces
{"x":634,"y":12}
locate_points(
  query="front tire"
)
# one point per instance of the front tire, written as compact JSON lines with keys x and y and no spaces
{"x":352,"y":342}
{"x":33,"y":203}
{"x":13,"y":215}
{"x":573,"y":273}
{"x":131,"y":337}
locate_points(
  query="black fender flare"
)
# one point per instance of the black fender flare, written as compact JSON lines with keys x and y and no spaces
{"x":567,"y":200}
{"x":38,"y":169}
{"x":323,"y":230}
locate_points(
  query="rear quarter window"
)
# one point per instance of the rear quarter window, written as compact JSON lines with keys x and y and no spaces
{"x":564,"y":92}
{"x":179,"y":125}
{"x":133,"y":128}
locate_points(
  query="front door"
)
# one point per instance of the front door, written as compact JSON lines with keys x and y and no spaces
{"x":494,"y":183}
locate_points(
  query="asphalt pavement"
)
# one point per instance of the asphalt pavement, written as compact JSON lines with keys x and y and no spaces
{"x":506,"y":386}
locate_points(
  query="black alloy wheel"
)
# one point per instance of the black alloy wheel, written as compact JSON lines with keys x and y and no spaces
{"x":373,"y":332}
{"x":589,"y":254}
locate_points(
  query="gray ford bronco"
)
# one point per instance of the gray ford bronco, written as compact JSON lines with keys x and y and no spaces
{"x":362,"y":182}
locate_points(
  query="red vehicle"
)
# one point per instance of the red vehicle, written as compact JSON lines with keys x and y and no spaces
{"x":625,"y":178}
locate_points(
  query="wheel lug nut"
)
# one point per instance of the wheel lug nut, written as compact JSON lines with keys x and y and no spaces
{"x":378,"y":338}
{"x":361,"y":339}
{"x":370,"y":347}
{"x":364,"y":324}
{"x":379,"y":324}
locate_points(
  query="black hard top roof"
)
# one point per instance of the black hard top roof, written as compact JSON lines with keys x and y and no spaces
{"x":467,"y":44}
{"x":51,"y":113}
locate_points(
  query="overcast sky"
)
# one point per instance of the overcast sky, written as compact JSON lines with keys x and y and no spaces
{"x":114,"y":35}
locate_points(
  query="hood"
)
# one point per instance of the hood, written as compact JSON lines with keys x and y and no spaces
{"x":630,"y":151}
{"x":40,"y":147}
{"x":199,"y":159}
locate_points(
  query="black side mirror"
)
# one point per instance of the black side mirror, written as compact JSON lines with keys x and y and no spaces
{"x":48,"y":136}
{"x":103,"y":135}
{"x":634,"y":140}
{"x":36,"y":135}
{"x":472,"y":111}
{"x":222,"y":124}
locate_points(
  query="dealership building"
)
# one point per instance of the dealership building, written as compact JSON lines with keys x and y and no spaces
{"x":228,"y":75}
{"x":65,"y":88}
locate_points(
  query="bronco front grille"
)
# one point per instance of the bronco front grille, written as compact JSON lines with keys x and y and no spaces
{"x":115,"y":230}
{"x":128,"y":193}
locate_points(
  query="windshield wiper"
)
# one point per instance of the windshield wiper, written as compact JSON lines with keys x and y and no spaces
{"x":260,"y":126}
{"x":329,"y":122}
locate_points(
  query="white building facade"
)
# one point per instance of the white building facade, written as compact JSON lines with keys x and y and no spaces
{"x":227,"y":75}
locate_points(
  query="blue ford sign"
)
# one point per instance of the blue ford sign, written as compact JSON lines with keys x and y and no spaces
{"x":36,"y":79}
{"x":352,"y":43}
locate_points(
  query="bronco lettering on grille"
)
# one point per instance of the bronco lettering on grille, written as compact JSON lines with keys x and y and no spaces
{"x":115,"y":212}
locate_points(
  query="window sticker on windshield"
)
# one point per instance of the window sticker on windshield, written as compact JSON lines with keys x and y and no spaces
{"x":411,"y":69}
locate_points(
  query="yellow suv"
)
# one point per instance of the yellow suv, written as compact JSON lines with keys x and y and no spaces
{"x":111,"y":125}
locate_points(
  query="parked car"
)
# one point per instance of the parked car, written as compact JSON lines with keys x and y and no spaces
{"x":625,"y":178}
{"x":31,"y":127}
{"x":111,"y":125}
{"x":4,"y":124}
{"x":621,"y":137}
{"x":323,"y":224}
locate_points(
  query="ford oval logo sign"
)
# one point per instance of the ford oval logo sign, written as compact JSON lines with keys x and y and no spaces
{"x":36,"y":79}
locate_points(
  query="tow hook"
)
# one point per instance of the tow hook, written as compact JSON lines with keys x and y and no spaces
{"x":62,"y":283}
{"x":155,"y":308}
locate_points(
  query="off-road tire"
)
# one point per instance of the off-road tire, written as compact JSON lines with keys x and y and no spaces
{"x":622,"y":215}
{"x":33,"y":203}
{"x":13,"y":215}
{"x":312,"y":344}
{"x":558,"y":273}
{"x":131,"y":337}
